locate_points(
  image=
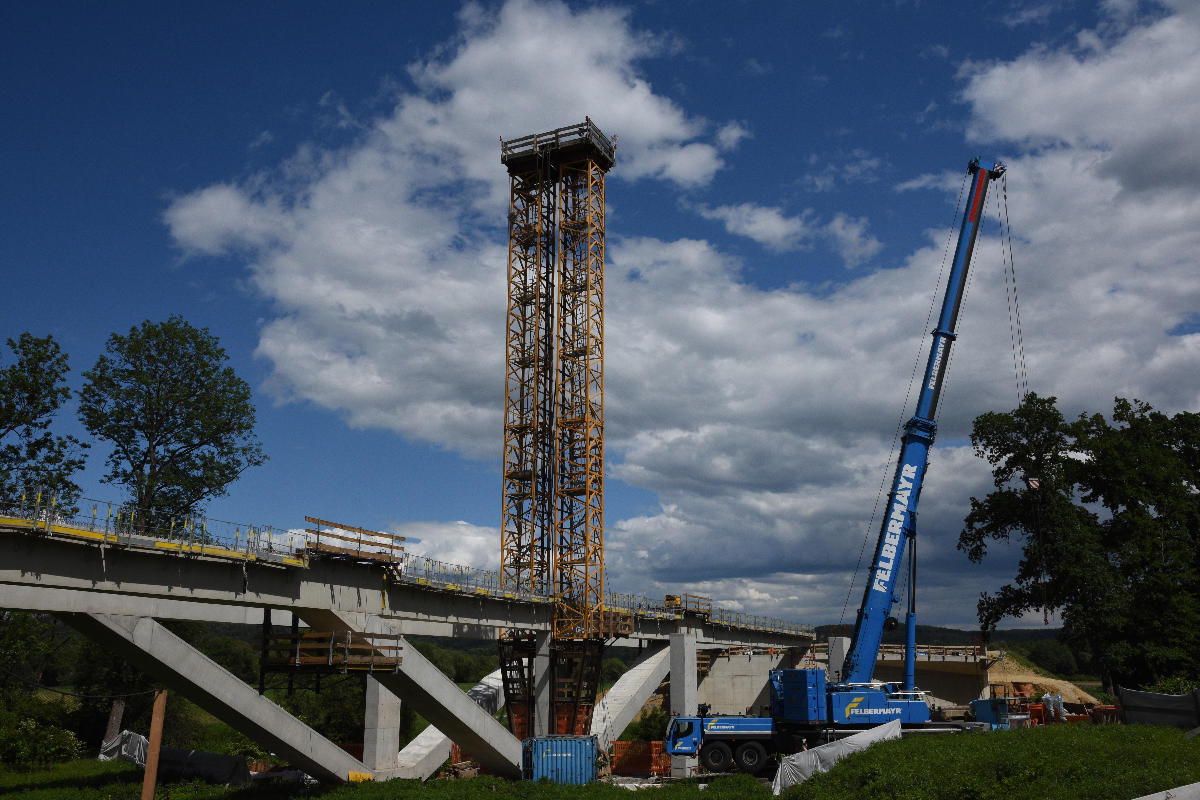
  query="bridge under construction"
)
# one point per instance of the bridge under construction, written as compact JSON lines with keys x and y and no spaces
{"x":358,"y":593}
{"x":358,"y":599}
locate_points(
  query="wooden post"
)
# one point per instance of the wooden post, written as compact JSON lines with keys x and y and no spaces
{"x":156,"y":726}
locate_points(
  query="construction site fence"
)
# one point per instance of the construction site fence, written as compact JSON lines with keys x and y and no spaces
{"x":640,"y":759}
{"x":119,"y":524}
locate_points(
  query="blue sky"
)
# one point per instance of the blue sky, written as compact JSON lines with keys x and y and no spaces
{"x":321,"y":188}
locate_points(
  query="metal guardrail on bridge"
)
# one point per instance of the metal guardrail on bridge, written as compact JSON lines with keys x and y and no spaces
{"x":118,"y":524}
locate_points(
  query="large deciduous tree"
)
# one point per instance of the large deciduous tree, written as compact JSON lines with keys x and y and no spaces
{"x":32,"y":389}
{"x":1108,"y":518}
{"x":180,"y":420}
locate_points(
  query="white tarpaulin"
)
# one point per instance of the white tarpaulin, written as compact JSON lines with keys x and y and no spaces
{"x":127,"y":745}
{"x":803,"y":765}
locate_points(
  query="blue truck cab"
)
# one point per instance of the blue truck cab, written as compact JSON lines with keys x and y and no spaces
{"x":686,"y":735}
{"x":722,"y":741}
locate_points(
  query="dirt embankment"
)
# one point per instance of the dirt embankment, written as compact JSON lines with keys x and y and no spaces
{"x":1024,"y":680}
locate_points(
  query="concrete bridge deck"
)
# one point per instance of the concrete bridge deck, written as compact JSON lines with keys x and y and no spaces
{"x":455,"y":602}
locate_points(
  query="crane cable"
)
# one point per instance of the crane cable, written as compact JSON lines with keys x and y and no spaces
{"x":1016,"y":335}
{"x":1020,"y":374}
{"x":904,"y":409}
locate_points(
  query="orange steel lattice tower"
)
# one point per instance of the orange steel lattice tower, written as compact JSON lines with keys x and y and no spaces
{"x":552,"y":539}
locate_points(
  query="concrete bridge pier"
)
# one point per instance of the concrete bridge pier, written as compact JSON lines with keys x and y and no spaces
{"x":683,"y":691}
{"x":381,"y":728}
{"x":541,"y":684}
{"x":838,"y":647}
{"x":738,"y":683}
{"x":433,"y":695}
{"x":421,"y":757}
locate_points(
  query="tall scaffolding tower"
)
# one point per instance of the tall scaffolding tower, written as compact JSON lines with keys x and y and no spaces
{"x":552,"y":534}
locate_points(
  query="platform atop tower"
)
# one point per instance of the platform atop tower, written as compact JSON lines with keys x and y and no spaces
{"x":567,"y":144}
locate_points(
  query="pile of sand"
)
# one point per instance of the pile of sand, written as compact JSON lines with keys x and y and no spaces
{"x":1021,"y":679}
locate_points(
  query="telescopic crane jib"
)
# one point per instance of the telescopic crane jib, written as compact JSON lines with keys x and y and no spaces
{"x":898,"y":527}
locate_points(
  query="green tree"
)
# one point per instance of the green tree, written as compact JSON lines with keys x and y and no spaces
{"x":337,"y":712}
{"x":1108,"y":519}
{"x":180,"y":420}
{"x":650,"y":726}
{"x":611,"y":670}
{"x":1053,"y":656}
{"x":32,"y":389}
{"x":35,"y":650}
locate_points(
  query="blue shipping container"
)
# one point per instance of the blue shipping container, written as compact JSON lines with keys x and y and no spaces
{"x":560,"y":759}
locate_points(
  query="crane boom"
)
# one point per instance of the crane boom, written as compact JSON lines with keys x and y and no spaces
{"x":803,"y":704}
{"x":899,"y":522}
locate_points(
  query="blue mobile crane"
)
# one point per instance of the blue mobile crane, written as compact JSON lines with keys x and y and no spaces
{"x":803,"y":705}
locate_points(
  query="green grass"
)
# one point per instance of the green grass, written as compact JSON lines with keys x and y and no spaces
{"x":1060,"y":762}
{"x":738,"y":787}
{"x":85,"y":778}
{"x":1064,"y":762}
{"x":93,"y":780}
{"x":88,"y":779}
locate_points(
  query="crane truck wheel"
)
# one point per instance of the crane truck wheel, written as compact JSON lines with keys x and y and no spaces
{"x":750,"y":757}
{"x":716,"y":757}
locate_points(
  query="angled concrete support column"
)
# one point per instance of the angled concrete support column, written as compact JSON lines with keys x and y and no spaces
{"x":152,"y":648}
{"x":683,"y":691}
{"x":421,"y":757}
{"x":541,"y":685}
{"x":381,"y":728}
{"x":434,"y":696}
{"x":621,"y":704}
{"x":439,"y":700}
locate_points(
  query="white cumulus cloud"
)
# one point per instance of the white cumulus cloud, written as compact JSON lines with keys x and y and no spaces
{"x":760,"y":419}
